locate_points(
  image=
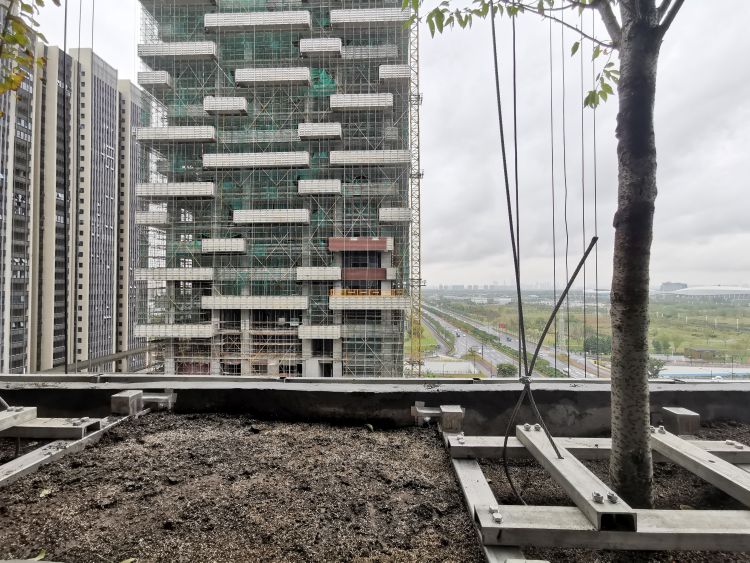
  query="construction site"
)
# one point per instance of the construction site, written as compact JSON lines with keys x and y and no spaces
{"x":278,"y":209}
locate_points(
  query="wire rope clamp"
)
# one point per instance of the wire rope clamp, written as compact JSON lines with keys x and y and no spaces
{"x":597,"y":497}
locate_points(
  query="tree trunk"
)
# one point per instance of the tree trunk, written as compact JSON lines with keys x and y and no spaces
{"x":630,"y":462}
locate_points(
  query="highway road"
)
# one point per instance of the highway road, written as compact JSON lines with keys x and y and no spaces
{"x":546,"y":353}
{"x":466,"y":342}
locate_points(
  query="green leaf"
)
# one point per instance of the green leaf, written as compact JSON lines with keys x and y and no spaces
{"x":45,"y":493}
{"x":574,"y":48}
{"x":42,"y":555}
{"x":596,"y":53}
{"x":370,"y":427}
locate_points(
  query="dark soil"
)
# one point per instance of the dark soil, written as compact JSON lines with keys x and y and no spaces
{"x":213,"y":488}
{"x":674,"y":488}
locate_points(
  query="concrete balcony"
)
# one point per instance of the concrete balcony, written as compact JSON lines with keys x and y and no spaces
{"x":308,"y":131}
{"x":174,"y":274}
{"x":363,"y":274}
{"x":258,"y":21}
{"x":257,"y":160}
{"x":295,"y":76}
{"x":176,"y":189}
{"x":280,"y":216}
{"x":255,"y":302}
{"x":225,"y":105}
{"x":360,"y":244}
{"x":175,"y":331}
{"x":361,"y":102}
{"x":394,"y":215}
{"x":369,"y":52}
{"x":151,"y":218}
{"x":320,"y":47}
{"x":319,"y":187}
{"x":176,"y":134}
{"x":188,"y":50}
{"x":394,"y":73}
{"x":155,"y":80}
{"x":223,"y":245}
{"x":368,"y":299}
{"x":320,"y":273}
{"x":319,"y":332}
{"x":367,"y":158}
{"x":369,"y":17}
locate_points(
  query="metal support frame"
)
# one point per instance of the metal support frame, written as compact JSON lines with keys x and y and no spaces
{"x":723,"y":464}
{"x":596,"y":500}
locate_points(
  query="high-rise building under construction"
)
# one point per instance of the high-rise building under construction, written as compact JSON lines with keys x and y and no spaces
{"x":279,"y":223}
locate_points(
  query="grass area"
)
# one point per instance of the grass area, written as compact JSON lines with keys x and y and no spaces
{"x":444,"y":333}
{"x":674,"y":325}
{"x":427,"y":342}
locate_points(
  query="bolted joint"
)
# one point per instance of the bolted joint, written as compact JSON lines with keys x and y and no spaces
{"x":662,"y":430}
{"x":497,"y":517}
{"x":537,"y":427}
{"x":597,"y":497}
{"x":652,"y":429}
{"x":527,"y":426}
{"x":612,"y":497}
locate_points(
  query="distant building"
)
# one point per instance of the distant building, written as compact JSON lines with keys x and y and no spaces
{"x":672,"y":286}
{"x":703,"y":353}
{"x":59,"y":168}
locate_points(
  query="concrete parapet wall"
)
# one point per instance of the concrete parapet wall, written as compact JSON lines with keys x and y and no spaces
{"x":571,"y":408}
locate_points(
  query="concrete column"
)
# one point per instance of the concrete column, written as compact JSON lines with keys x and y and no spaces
{"x":169,"y":367}
{"x":311,"y":368}
{"x":338,"y":346}
{"x":245,"y":343}
{"x":338,"y":369}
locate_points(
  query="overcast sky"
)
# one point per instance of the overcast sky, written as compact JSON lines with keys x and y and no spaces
{"x":702,"y":230}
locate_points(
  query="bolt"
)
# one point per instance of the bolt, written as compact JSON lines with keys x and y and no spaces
{"x":537,"y":427}
{"x":662,"y":430}
{"x":460,"y":434}
{"x":597,"y":497}
{"x":612,"y":497}
{"x":653,"y":430}
{"x":527,"y":426}
{"x":497,"y":517}
{"x":494,"y":508}
{"x":461,"y":440}
{"x":730,"y":443}
{"x":739,"y":446}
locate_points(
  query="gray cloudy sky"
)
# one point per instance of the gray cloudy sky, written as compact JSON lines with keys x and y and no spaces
{"x":702,"y":232}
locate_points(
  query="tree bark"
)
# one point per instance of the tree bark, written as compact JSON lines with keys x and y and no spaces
{"x":631,"y":462}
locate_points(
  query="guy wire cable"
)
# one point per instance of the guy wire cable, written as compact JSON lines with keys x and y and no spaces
{"x":515,"y":169}
{"x":565,"y":184}
{"x":552,"y":182}
{"x":596,"y":205}
{"x":526,"y":379}
{"x":583,"y":202}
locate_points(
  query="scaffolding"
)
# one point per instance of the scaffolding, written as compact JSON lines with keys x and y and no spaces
{"x":276,"y":227}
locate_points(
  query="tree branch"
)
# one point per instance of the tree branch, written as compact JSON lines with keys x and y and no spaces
{"x":662,"y":9}
{"x":610,"y":20}
{"x":670,"y":16}
{"x":570,"y":26}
